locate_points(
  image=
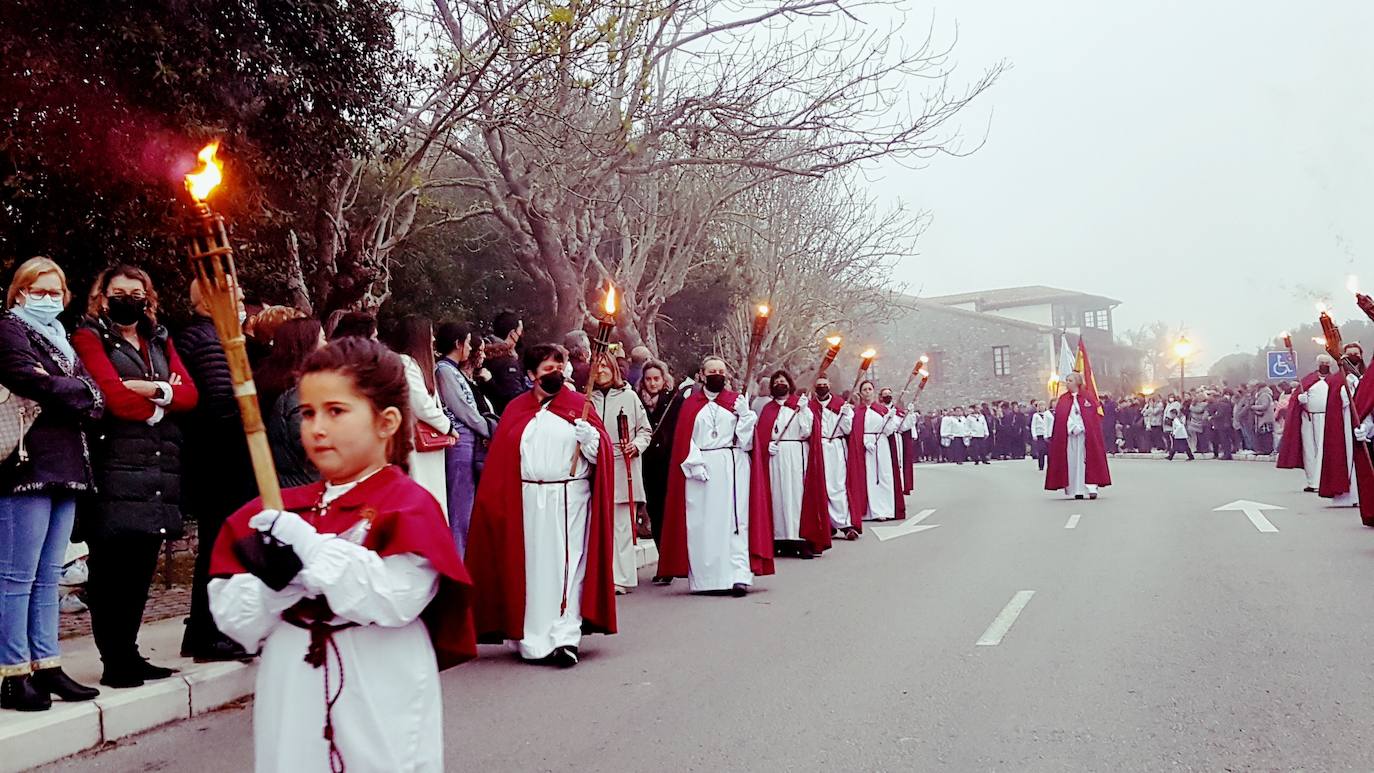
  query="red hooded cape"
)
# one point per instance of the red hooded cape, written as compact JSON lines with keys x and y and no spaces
{"x":815,"y":532}
{"x":405,"y":519}
{"x":496,"y":538}
{"x":898,"y":494}
{"x":1290,"y":446}
{"x":1335,"y":476}
{"x":672,"y":554}
{"x":856,"y":474}
{"x":815,"y":523}
{"x":1095,"y":452}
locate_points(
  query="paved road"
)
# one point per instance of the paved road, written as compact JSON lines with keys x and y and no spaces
{"x":1160,"y":635}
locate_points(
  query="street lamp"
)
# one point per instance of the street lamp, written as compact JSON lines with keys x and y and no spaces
{"x":1183,"y":348}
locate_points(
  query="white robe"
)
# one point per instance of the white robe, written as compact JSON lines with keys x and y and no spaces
{"x":555,"y":518}
{"x":1078,"y":454}
{"x":835,"y":429}
{"x":389,"y":714}
{"x":878,"y":465}
{"x":786,"y":471}
{"x":1314,"y":420}
{"x":717,"y":513}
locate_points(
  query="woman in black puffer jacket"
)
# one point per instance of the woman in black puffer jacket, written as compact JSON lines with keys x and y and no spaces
{"x":137,"y":455}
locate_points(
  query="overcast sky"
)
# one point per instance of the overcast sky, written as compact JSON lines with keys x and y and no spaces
{"x":1208,"y":163}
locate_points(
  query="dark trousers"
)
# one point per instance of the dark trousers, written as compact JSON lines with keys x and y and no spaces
{"x":201,"y":631}
{"x":1041,"y":447}
{"x":121,"y":572}
{"x":1180,"y":444}
{"x":1222,"y":445}
{"x":957,"y":451}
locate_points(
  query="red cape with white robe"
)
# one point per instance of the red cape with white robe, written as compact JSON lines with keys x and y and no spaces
{"x":1290,"y":446}
{"x":405,"y":519}
{"x":672,"y":554}
{"x":858,"y":470}
{"x":815,"y":522}
{"x":1335,"y":475}
{"x":1094,"y":447}
{"x":496,"y":538}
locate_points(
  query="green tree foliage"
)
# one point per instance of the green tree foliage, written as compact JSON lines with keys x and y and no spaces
{"x":103,"y":106}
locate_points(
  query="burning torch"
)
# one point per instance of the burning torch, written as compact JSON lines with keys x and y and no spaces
{"x":865,"y":362}
{"x":828,"y":359}
{"x":212,"y":260}
{"x":755,"y":343}
{"x":622,"y":427}
{"x":600,"y":344}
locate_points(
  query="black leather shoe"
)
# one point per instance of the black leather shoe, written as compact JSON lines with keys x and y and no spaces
{"x":221,"y":651}
{"x":564,"y":657}
{"x":122,"y":677}
{"x":19,"y":694}
{"x":55,"y":682}
{"x":148,"y":671}
{"x":740,"y":590}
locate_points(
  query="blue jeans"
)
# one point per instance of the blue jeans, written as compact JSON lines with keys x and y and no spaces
{"x":462,"y":486}
{"x":34,"y":532}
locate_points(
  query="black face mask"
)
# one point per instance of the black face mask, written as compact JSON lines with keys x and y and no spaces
{"x":780,"y":390}
{"x":886,"y":399}
{"x":823,"y":393}
{"x":715,"y":382}
{"x":551,"y":382}
{"x":127,"y":310}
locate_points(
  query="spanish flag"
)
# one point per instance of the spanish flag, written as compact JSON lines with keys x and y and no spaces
{"x":1083,"y":365}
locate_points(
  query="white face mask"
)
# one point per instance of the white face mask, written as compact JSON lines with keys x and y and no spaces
{"x":567,"y":370}
{"x":45,"y":309}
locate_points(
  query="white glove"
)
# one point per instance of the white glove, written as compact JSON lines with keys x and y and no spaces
{"x":944,"y":442}
{"x":1360,"y":435}
{"x":290,"y":529}
{"x":773,"y":447}
{"x":700,"y":473}
{"x":741,"y":405}
{"x":1302,"y":398}
{"x":911,"y":407}
{"x":847,"y":410}
{"x":587,"y":438}
{"x":802,"y":402}
{"x":870,"y":443}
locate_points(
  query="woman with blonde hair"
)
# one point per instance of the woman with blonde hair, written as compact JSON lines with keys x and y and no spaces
{"x":39,"y":483}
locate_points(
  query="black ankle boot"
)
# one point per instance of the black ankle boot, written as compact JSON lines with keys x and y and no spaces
{"x":54,"y":681}
{"x":18,"y":693}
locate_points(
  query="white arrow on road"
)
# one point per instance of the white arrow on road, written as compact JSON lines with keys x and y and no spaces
{"x":1253,"y":511}
{"x":910,"y":526}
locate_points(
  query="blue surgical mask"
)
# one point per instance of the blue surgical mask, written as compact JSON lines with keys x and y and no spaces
{"x":45,"y":309}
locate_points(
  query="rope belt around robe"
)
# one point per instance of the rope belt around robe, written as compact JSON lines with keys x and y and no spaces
{"x":310,"y":615}
{"x":877,"y":467}
{"x":567,"y":532}
{"x":734,"y":480}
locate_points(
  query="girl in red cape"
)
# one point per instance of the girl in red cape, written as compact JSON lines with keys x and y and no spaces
{"x":771,"y":439}
{"x":354,"y":590}
{"x":731,"y":536}
{"x":872,"y":498}
{"x":1078,"y":456}
{"x":545,"y":607}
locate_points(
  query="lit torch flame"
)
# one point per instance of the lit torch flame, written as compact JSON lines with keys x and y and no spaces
{"x":202,"y":182}
{"x":1319,"y":340}
{"x":610,"y":300}
{"x":868,"y":354}
{"x":925,"y":358}
{"x":834,"y":341}
{"x":763,"y":310}
{"x":1352,"y":283}
{"x":925,"y":374}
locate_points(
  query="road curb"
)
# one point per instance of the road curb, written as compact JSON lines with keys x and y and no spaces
{"x":31,"y":740}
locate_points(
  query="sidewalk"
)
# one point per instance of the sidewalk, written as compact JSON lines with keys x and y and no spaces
{"x":30,"y":740}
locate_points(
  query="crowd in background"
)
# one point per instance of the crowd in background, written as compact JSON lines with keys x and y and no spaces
{"x":1218,"y":420}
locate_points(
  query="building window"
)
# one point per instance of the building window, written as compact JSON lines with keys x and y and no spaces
{"x":1001,"y":361}
{"x":1098,"y":318}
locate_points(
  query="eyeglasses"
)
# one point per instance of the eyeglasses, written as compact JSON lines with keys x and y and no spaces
{"x":43,"y":293}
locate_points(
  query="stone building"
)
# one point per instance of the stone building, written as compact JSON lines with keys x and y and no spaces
{"x":1000,"y":344}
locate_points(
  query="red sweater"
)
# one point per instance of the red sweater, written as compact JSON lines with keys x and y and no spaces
{"x":120,"y":401}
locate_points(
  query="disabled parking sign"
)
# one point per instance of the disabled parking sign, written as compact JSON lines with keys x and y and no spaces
{"x":1281,"y":366}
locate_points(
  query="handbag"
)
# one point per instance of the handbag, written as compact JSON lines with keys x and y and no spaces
{"x":16,"y":419}
{"x":428,"y":438}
